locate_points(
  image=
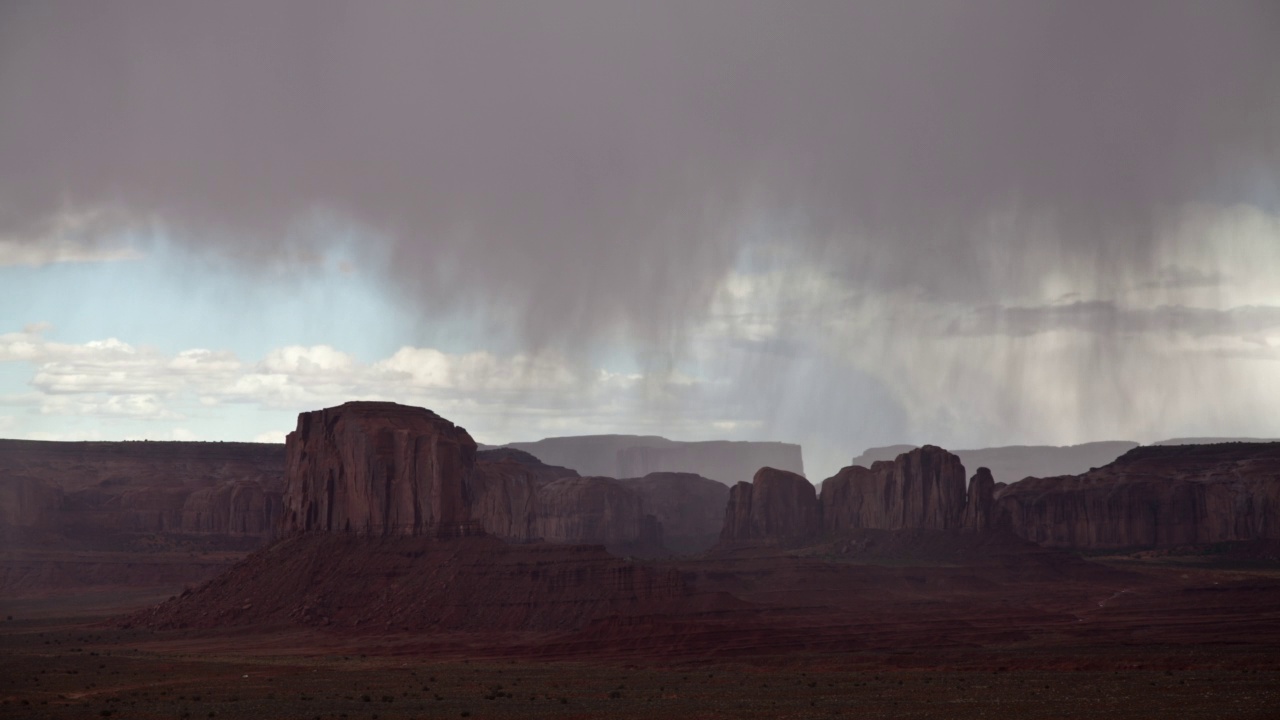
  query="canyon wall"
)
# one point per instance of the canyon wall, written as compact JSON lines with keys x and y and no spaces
{"x":1155,"y":496}
{"x":99,"y":490}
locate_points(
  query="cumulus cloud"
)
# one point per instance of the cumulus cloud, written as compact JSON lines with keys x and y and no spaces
{"x":113,"y":379}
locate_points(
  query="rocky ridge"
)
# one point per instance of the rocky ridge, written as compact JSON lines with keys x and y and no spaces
{"x":98,"y":491}
{"x":1154,"y":496}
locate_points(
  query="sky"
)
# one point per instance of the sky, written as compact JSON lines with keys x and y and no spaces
{"x":838,"y":224}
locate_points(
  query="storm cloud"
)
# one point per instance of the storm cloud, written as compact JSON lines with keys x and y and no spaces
{"x":574,"y":175}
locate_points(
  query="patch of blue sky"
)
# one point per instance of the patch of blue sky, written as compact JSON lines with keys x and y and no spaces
{"x":174,"y":300}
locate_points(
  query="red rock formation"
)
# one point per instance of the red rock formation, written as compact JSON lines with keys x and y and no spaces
{"x":1155,"y":497}
{"x":29,"y":503}
{"x":777,"y":506}
{"x":378,"y":468}
{"x":589,"y":510}
{"x":1014,"y":462}
{"x":504,"y":489}
{"x":921,"y":489}
{"x":690,"y":508}
{"x":235,"y":508}
{"x":980,"y":507}
{"x":108,"y":489}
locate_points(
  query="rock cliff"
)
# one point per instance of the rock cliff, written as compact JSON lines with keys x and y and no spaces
{"x":97,"y":491}
{"x":689,"y":507}
{"x":776,"y":506}
{"x":1155,"y":496}
{"x":921,"y":489}
{"x":980,"y":512}
{"x":1012,"y":463}
{"x":235,"y":508}
{"x":378,"y":468}
{"x":593,"y":510}
{"x":27,"y":502}
{"x":504,"y":491}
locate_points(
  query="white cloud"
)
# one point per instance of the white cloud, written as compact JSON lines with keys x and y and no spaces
{"x":273,"y":436}
{"x":135,"y":406}
{"x":113,"y":379}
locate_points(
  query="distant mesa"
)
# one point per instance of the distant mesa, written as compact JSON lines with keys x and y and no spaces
{"x":630,"y":456}
{"x":1009,"y":464}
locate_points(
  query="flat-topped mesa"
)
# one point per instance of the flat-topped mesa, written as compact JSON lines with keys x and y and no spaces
{"x":1155,"y":496}
{"x":776,"y":506}
{"x":921,"y":489}
{"x":378,"y":468}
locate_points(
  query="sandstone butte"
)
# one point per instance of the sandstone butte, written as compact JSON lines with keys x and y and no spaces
{"x":1151,"y":497}
{"x":384,"y":469}
{"x":923,"y":489}
{"x":378,"y":468}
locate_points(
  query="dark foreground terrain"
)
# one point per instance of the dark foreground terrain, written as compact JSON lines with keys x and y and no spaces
{"x":913,"y":628}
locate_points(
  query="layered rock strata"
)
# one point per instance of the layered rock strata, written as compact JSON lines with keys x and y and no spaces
{"x":378,"y":468}
{"x":689,"y":507}
{"x":920,"y":489}
{"x":1154,"y":497}
{"x":776,"y":506}
{"x":101,"y":491}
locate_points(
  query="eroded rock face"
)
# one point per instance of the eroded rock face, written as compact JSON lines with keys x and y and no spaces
{"x":237,"y":508}
{"x":1154,"y":497}
{"x":920,"y":489}
{"x":690,"y":508}
{"x":378,"y":468}
{"x":590,"y":510}
{"x":777,"y":506}
{"x":97,"y":491}
{"x":504,"y":491}
{"x":980,"y":507}
{"x":29,"y":503}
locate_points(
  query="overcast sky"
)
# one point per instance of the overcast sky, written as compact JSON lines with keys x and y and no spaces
{"x":840,"y":224}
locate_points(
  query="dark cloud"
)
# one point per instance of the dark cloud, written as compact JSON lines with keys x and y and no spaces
{"x":585,"y":175}
{"x":576,"y":166}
